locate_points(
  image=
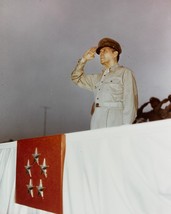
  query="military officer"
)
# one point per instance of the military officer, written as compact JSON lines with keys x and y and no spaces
{"x":114,"y":88}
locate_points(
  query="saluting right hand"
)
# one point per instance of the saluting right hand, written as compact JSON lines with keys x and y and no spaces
{"x":89,"y":54}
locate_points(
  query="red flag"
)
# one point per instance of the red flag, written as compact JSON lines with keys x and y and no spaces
{"x":39,"y":172}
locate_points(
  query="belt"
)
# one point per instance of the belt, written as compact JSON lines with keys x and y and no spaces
{"x":107,"y":104}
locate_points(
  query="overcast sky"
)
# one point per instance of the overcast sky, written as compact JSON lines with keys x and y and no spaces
{"x":41,"y":41}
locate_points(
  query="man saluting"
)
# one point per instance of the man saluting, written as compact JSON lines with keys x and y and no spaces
{"x":115,"y":90}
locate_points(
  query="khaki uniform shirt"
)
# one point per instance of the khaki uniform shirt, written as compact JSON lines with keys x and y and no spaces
{"x":115,"y":94}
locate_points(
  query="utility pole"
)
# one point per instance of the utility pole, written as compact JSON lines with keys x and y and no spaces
{"x":45,"y":108}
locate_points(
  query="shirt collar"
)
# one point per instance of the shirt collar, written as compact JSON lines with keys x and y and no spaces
{"x":111,"y":68}
{"x":114,"y":67}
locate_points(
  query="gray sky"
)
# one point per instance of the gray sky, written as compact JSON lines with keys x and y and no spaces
{"x":41,"y":41}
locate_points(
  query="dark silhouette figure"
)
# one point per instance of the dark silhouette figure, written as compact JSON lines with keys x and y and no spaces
{"x":156,"y":113}
{"x":168,"y":108}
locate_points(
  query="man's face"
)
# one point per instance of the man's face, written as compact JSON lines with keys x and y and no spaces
{"x":106,"y":55}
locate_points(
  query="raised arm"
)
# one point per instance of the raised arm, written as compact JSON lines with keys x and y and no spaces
{"x":78,"y":76}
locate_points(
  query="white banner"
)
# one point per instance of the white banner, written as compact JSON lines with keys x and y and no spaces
{"x":121,"y":170}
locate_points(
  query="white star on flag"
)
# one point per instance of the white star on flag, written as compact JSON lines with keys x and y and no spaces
{"x":36,"y":156}
{"x":28,"y":167}
{"x":40,"y":189}
{"x":30,"y":188}
{"x":44,"y":168}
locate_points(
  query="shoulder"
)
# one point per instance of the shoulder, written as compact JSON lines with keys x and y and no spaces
{"x":126,"y":69}
{"x":123,"y":69}
{"x":127,"y":72}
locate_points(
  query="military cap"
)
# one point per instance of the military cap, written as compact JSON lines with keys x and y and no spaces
{"x":108,"y":42}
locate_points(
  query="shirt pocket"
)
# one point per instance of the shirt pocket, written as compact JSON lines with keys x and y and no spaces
{"x":114,"y":86}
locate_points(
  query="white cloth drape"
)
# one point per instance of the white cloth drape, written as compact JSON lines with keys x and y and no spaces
{"x":121,"y":170}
